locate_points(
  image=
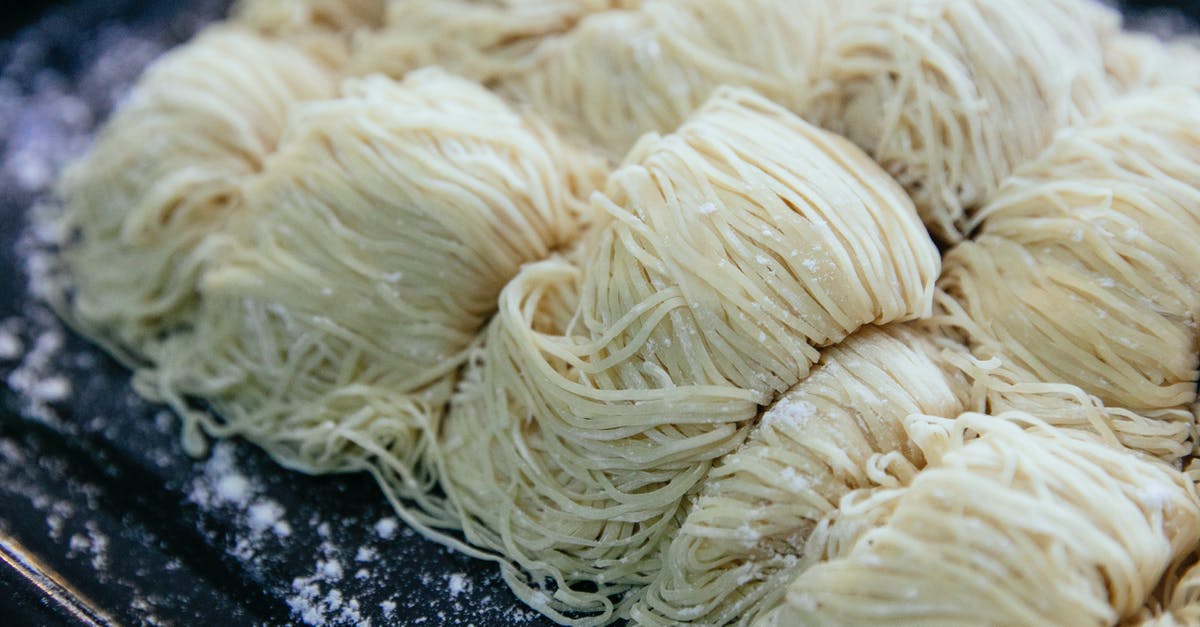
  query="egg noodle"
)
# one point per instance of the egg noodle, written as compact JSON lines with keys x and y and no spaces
{"x":640,"y":299}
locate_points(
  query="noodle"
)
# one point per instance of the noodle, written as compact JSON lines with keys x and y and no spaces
{"x":1084,"y":273}
{"x":1031,"y":526}
{"x":950,"y":95}
{"x":746,"y":533}
{"x":287,"y":15}
{"x":323,"y":28}
{"x":1050,"y":321}
{"x":376,"y":241}
{"x":1046,"y":316}
{"x":167,"y":172}
{"x":1139,"y":61}
{"x":1181,"y":605}
{"x":693,"y":389}
{"x":610,"y":381}
{"x":611,"y":76}
{"x":480,"y":39}
{"x":1000,"y":387}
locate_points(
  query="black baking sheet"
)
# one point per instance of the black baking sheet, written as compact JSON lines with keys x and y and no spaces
{"x":103,"y":518}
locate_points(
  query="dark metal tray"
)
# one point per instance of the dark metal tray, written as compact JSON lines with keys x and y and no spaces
{"x":103,"y":518}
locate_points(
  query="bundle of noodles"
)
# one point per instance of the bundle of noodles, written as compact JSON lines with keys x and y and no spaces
{"x":745,"y":535}
{"x":167,"y":172}
{"x":1018,"y":526}
{"x":999,"y":386}
{"x":380,"y":234}
{"x":1180,"y":602}
{"x":1085,"y":272}
{"x":324,"y":28}
{"x":477,"y":38}
{"x":281,"y":16}
{"x":1050,"y":320}
{"x":734,"y":248}
{"x":950,"y":95}
{"x":1137,"y":61}
{"x":617,"y":74}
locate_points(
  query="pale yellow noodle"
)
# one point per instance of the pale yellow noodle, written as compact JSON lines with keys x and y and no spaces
{"x":1043,"y":313}
{"x":1178,"y":599}
{"x":281,"y":16}
{"x":613,"y":75}
{"x":951,"y":95}
{"x":1000,"y":385}
{"x":481,"y":39}
{"x":1025,"y":524}
{"x":167,"y":172}
{"x":747,"y":531}
{"x":669,"y":401}
{"x":610,"y":381}
{"x":323,"y":28}
{"x":1138,"y":61}
{"x":1084,"y":273}
{"x":375,"y":243}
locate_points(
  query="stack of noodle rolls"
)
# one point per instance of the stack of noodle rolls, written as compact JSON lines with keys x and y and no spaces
{"x":839,"y":430}
{"x":947,"y":95}
{"x":608,"y":311}
{"x":611,"y":380}
{"x":322,"y":280}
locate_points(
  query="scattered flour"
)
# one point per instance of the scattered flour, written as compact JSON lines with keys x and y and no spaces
{"x":266,"y":514}
{"x":316,"y":599}
{"x":10,"y":345}
{"x":748,"y":572}
{"x":36,"y":379}
{"x":804,"y":601}
{"x":95,"y":544}
{"x":790,"y":412}
{"x":1156,"y":495}
{"x":793,"y":480}
{"x":457,"y":583}
{"x":339,"y":585}
{"x":748,"y":536}
{"x":386,"y":528}
{"x":365,"y":554}
{"x":233,"y":488}
{"x":53,"y":389}
{"x":331,"y":569}
{"x":164,"y":421}
{"x":223,"y":487}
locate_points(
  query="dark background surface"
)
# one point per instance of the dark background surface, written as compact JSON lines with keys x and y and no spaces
{"x":95,"y":491}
